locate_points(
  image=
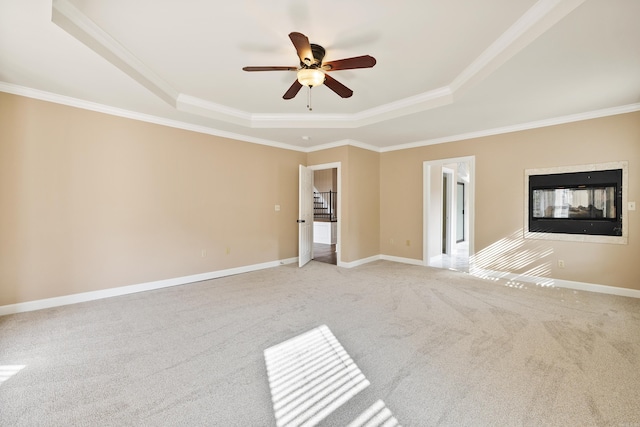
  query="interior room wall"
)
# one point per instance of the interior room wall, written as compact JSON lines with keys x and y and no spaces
{"x":323,"y":180}
{"x":92,"y":201}
{"x":401,"y":205}
{"x":499,"y":199}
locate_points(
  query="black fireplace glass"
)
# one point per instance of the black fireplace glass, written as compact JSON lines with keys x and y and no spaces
{"x":576,"y":203}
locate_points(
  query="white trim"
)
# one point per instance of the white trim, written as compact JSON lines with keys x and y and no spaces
{"x":134,"y":115}
{"x":119,"y":112}
{"x":402,"y":260}
{"x":66,"y":16}
{"x":141,"y":287}
{"x":535,"y":21}
{"x":556,"y":283}
{"x":448,"y":223}
{"x":421,"y":102}
{"x":588,"y":115}
{"x":201,"y":107}
{"x":359,"y":262}
{"x":342,"y":143}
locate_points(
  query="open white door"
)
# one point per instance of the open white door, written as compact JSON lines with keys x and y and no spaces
{"x":305,"y":216}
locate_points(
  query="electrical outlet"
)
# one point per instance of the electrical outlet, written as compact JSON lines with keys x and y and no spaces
{"x":408,"y":242}
{"x":228,"y":251}
{"x":277,"y":208}
{"x":203,"y":253}
{"x":561,"y":263}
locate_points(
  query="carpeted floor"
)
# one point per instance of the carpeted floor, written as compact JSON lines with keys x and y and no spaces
{"x":418,"y":345}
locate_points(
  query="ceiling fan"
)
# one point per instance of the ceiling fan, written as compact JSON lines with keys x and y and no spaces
{"x":313,"y":72}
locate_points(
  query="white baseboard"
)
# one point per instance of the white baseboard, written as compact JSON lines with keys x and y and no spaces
{"x":411,"y":261}
{"x":556,"y":283}
{"x":363,"y":261}
{"x":358,"y":262}
{"x":490,"y":274}
{"x":124,"y":290}
{"x":141,"y":287}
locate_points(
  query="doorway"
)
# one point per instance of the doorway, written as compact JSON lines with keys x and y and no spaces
{"x":448,"y":206}
{"x":327,"y":213}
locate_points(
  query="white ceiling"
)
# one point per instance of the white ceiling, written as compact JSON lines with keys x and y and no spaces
{"x":445,"y":69}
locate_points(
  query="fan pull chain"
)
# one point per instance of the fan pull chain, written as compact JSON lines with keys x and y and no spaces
{"x":309,"y":99}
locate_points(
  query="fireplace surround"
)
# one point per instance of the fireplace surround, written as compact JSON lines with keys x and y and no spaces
{"x":582,"y":203}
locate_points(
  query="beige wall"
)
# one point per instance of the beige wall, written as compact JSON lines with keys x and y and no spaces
{"x":499,"y":202}
{"x":325,"y":180}
{"x":91,"y":201}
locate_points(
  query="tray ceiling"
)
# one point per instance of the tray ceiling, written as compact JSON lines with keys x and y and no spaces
{"x":445,"y":70}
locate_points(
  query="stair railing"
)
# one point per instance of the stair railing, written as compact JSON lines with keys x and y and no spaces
{"x":325,"y":205}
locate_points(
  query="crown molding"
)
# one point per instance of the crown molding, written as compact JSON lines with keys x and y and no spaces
{"x":613,"y":111}
{"x":535,"y":21}
{"x":413,"y":104}
{"x":134,"y":115}
{"x":201,"y":107}
{"x":302,"y":121}
{"x":540,"y":17}
{"x":343,"y":143}
{"x":100,"y":108}
{"x":65,"y":15}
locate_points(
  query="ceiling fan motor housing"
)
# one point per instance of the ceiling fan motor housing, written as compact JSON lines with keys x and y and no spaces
{"x":318,"y":53}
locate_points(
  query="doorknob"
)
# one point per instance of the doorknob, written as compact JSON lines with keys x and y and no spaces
{"x":300,"y":220}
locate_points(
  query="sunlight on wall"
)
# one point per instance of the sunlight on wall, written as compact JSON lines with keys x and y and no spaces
{"x":514,"y":259}
{"x":7,"y":371}
{"x":311,"y":375}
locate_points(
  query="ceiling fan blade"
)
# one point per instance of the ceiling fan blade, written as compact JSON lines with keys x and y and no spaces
{"x":293,"y":90}
{"x":365,"y":61}
{"x":284,"y":68}
{"x":337,"y":87}
{"x":303,"y":47}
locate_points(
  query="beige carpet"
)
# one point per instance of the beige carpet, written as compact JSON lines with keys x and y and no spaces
{"x":417,"y":345}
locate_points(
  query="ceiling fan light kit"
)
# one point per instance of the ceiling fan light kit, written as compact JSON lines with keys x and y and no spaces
{"x":310,"y":77}
{"x":312,"y":70}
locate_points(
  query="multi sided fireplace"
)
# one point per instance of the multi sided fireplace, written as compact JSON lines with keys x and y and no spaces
{"x":588,"y":203}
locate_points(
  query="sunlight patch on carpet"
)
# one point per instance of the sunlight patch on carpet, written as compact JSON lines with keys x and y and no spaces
{"x":7,"y":371}
{"x":377,"y":415}
{"x":310,"y":376}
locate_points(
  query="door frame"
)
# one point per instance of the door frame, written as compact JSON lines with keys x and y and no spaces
{"x":305,"y":215}
{"x":427,"y":202}
{"x":447,"y":209}
{"x":461,"y":192}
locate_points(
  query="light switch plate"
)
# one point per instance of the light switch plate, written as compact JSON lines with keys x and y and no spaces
{"x":631,"y":206}
{"x":277,"y":208}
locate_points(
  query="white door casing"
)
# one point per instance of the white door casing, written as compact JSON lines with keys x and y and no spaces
{"x":305,"y":215}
